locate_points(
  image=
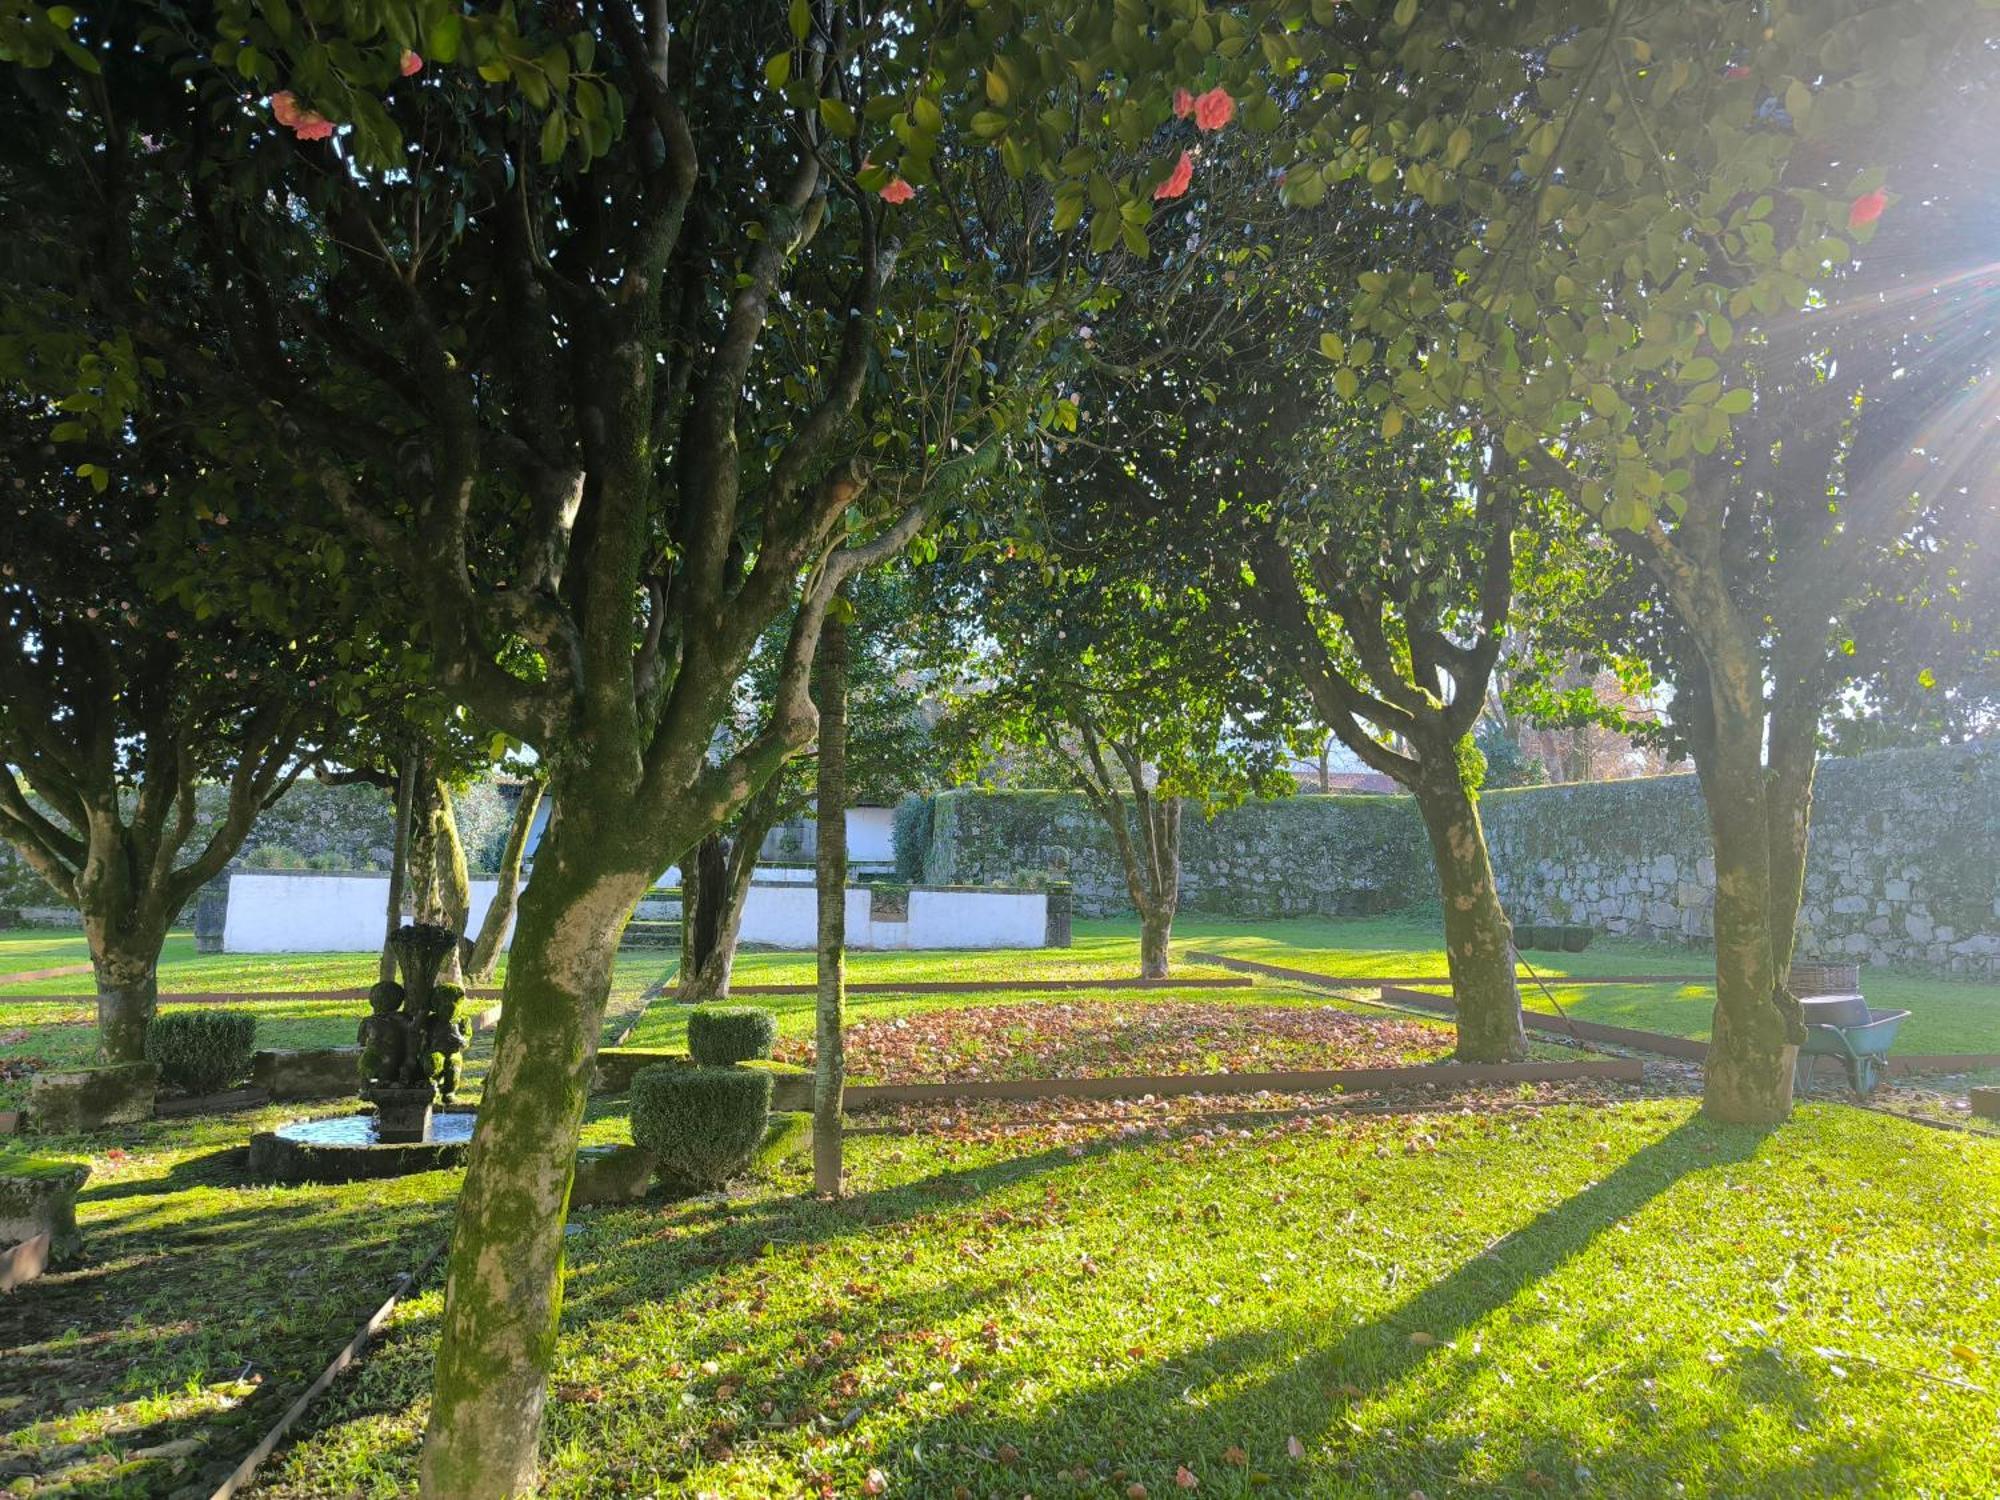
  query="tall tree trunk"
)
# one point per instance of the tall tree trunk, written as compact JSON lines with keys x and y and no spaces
{"x":704,"y":902}
{"x":399,"y":860}
{"x":1478,"y":940}
{"x":1748,"y":1080}
{"x":126,"y":966}
{"x":500,"y":914}
{"x":1161,"y":864}
{"x":503,"y":1287}
{"x":708,"y":980}
{"x":426,"y":892}
{"x":830,"y":1020}
{"x":454,"y":884}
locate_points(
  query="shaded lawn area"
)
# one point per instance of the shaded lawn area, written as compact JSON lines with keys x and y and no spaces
{"x":1595,"y":1302}
{"x":1946,"y":1015}
{"x":24,"y":949}
{"x":41,"y":1031}
{"x":204,"y":1302}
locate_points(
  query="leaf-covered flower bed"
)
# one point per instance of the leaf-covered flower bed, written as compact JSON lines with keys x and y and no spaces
{"x":1123,"y":1038}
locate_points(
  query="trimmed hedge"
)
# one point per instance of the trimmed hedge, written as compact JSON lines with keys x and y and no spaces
{"x":703,"y":1125}
{"x":202,"y":1051}
{"x":910,"y":837}
{"x":719,"y":1035}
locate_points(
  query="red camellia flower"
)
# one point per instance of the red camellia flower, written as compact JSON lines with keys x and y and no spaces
{"x":1736,"y":70}
{"x":411,"y":63}
{"x":1214,"y":109}
{"x":1177,"y":180}
{"x":1866,"y":209}
{"x":895,"y":190}
{"x":1183,"y":104}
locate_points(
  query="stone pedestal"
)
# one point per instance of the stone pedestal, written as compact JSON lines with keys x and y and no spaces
{"x":307,"y":1072}
{"x":402,"y":1114}
{"x":1061,"y":906}
{"x":1986,"y":1103}
{"x":37,"y":1199}
{"x":92,"y":1098}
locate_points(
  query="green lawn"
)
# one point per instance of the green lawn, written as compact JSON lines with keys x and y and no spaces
{"x":27,"y":948}
{"x":1615,"y":1302}
{"x":1946,"y":1015}
{"x":40,"y":1030}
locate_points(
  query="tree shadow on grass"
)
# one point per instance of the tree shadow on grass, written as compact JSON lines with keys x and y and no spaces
{"x":1409,"y":1372}
{"x":185,"y":1288}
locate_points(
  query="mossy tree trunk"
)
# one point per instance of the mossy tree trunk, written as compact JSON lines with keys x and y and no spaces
{"x":399,"y":862}
{"x":1748,"y":1080}
{"x":725,"y":891}
{"x":503,"y":1284}
{"x":499,"y":918}
{"x":1478,"y":940}
{"x":704,"y":875}
{"x":830,"y":1011}
{"x":454,"y":882}
{"x":1402,"y":691}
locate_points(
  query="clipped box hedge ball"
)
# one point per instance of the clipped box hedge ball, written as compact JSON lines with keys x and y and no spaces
{"x":202,"y":1051}
{"x":719,"y":1035}
{"x":702,"y":1124}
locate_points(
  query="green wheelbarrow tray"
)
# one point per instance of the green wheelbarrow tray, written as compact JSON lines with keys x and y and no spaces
{"x":1843,"y":1026}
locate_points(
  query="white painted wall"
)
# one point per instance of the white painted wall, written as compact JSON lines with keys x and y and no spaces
{"x":787,"y":916}
{"x":284,"y":911}
{"x":871,"y":834}
{"x":308,"y":911}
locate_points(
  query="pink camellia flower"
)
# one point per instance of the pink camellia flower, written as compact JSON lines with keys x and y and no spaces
{"x":1866,"y":209}
{"x":411,"y":63}
{"x":1177,"y":180}
{"x":895,"y":190}
{"x":1214,"y":109}
{"x":306,"y":124}
{"x":1736,"y":70}
{"x":1183,"y":104}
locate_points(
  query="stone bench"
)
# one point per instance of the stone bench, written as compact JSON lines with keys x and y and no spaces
{"x":791,"y":1085}
{"x":83,"y":1099}
{"x":307,"y":1072}
{"x":37,"y":1216}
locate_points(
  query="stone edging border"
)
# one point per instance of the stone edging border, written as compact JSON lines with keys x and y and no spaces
{"x":1000,"y":986}
{"x":1360,"y":1080}
{"x":245,"y":1471}
{"x":1370,"y":981}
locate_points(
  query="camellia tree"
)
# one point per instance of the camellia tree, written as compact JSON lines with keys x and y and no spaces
{"x":616,"y":335}
{"x":1708,"y":280}
{"x":1128,"y":689}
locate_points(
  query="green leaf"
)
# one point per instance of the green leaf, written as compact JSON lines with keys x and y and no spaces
{"x":1405,"y":13}
{"x":1735,"y":402}
{"x":837,"y":117}
{"x":800,"y":17}
{"x":555,"y":136}
{"x":928,"y":117}
{"x":778,"y":69}
{"x":1331,"y":346}
{"x":1697,"y":370}
{"x":447,"y":31}
{"x":1348,"y":384}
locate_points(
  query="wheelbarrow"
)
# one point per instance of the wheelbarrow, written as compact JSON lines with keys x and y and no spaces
{"x":1843,"y":1026}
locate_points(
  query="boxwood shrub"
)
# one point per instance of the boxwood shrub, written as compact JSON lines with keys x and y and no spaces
{"x":202,"y":1051}
{"x":703,"y":1125}
{"x":719,"y":1035}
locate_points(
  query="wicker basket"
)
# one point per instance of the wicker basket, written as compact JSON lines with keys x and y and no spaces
{"x":1808,"y":979}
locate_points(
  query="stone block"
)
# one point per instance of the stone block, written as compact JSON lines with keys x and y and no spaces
{"x":1896,"y":890}
{"x":38,"y":1197}
{"x":616,"y":1065}
{"x":307,"y":1072}
{"x":611,"y":1174}
{"x":1918,"y":926}
{"x":92,"y":1098}
{"x":791,"y":1085}
{"x":1986,"y":1103}
{"x":788,"y":1135}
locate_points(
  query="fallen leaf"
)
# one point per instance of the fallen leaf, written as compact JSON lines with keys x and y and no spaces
{"x":1294,"y":1447}
{"x":1423,"y":1340}
{"x":1235,"y":1457}
{"x":1184,"y":1477}
{"x":876,"y":1483}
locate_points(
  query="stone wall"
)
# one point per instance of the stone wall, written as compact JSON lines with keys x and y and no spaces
{"x":1343,"y":855}
{"x":313,"y":825}
{"x":1904,"y":868}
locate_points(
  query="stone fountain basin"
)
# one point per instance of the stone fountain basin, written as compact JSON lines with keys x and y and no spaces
{"x":346,"y":1149}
